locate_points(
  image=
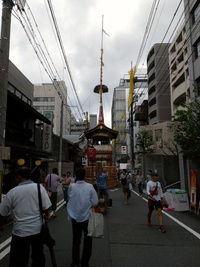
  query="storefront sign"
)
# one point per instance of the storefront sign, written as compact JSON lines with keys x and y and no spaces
{"x":47,"y":138}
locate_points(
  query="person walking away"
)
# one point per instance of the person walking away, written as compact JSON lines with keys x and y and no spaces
{"x":52,"y":180}
{"x":125,"y":180}
{"x":155,"y":197}
{"x":66,"y":183}
{"x":82,"y":196}
{"x":23,"y":202}
{"x":102,"y":187}
{"x":140,"y":182}
{"x":63,"y":179}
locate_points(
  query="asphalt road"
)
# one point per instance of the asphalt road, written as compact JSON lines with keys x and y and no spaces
{"x":128,"y":241}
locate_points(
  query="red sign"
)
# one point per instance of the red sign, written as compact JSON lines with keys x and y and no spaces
{"x":193,"y":188}
{"x":123,"y":149}
{"x":91,"y":154}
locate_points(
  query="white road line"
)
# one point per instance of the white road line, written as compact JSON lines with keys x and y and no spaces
{"x":176,"y":220}
{"x":183,"y":225}
{"x":4,"y":253}
{"x":6,"y":242}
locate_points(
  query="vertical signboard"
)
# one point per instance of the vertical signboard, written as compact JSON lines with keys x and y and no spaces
{"x":193,"y":188}
{"x":47,"y":138}
{"x":123,"y":149}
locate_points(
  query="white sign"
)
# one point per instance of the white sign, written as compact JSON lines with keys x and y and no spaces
{"x":123,"y":149}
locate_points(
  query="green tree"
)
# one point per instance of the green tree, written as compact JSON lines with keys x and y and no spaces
{"x":144,"y":142}
{"x":186,"y":124}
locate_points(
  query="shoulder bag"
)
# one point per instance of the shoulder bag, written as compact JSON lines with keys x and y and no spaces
{"x":45,"y":233}
{"x":96,"y":225}
{"x":46,"y":237}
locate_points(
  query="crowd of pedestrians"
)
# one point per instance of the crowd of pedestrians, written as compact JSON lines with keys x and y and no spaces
{"x":80,"y":197}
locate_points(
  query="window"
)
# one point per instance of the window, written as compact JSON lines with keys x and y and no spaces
{"x":158,"y":134}
{"x":196,"y":14}
{"x":44,"y":107}
{"x":44,"y":99}
{"x":197,"y":49}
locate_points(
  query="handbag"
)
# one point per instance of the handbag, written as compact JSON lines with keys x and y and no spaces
{"x":96,"y":225}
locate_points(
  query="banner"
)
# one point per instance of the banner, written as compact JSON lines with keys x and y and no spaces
{"x":131,"y":89}
{"x":193,"y":188}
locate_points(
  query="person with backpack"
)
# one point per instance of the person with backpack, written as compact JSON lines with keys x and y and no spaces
{"x":52,"y":180}
{"x":125,"y":180}
{"x":155,"y":197}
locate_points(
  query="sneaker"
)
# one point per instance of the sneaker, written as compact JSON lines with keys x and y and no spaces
{"x":162,"y":229}
{"x":149,"y":223}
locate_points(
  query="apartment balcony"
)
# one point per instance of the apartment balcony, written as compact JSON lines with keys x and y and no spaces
{"x":179,"y":46}
{"x":172,"y":57}
{"x":178,"y":92}
{"x":180,"y":66}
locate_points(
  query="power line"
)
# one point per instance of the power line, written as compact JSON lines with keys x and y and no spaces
{"x":64,"y":54}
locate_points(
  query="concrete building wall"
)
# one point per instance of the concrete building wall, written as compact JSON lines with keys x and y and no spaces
{"x":178,"y":64}
{"x":119,"y":120}
{"x":192,"y":17}
{"x":93,"y":120}
{"x":47,"y":98}
{"x":158,"y":84}
{"x":17,"y":79}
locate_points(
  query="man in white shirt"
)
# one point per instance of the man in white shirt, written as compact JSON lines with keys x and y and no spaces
{"x":23,"y":202}
{"x":82,"y":196}
{"x":155,"y":196}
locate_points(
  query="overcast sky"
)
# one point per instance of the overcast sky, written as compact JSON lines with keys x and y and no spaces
{"x":79,"y":23}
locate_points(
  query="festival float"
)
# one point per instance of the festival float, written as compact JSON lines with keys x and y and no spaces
{"x":99,"y":140}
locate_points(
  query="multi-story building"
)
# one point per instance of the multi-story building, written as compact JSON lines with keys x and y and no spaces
{"x":192,"y":20}
{"x":119,"y":122}
{"x":50,"y":99}
{"x":158,"y":84}
{"x":93,"y":120}
{"x":24,"y":139}
{"x":178,"y":68}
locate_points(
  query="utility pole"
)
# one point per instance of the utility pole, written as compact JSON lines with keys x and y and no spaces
{"x":4,"y":64}
{"x":61,"y":139}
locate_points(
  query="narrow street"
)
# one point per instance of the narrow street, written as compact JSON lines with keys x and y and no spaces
{"x":128,"y":241}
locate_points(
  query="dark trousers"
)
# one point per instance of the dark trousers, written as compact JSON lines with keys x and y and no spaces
{"x":103,"y":193}
{"x":53,"y":199}
{"x":20,"y":250}
{"x":78,"y":228}
{"x":140,"y":188}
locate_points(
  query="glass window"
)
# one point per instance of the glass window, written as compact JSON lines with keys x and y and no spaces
{"x":197,"y":49}
{"x":17,"y":93}
{"x":196,"y":14}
